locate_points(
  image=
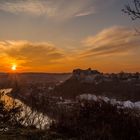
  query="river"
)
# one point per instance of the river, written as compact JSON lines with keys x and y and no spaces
{"x":30,"y":117}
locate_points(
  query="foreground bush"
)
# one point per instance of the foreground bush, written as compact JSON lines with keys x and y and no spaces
{"x":9,"y":116}
{"x":99,"y":121}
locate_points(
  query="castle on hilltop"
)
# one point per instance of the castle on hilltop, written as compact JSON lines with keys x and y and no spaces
{"x":89,"y":71}
{"x":90,"y":76}
{"x":87,"y":75}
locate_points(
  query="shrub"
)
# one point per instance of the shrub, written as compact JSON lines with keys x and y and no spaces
{"x":98,"y":120}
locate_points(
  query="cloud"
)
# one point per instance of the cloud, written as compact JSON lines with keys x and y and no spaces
{"x":29,"y":54}
{"x":56,"y":9}
{"x":118,"y":44}
{"x":111,"y":41}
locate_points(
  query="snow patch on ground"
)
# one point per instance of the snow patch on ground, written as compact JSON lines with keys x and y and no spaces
{"x":123,"y":104}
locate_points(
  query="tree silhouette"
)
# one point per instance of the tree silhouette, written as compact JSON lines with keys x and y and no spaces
{"x":9,"y":116}
{"x":133,"y":9}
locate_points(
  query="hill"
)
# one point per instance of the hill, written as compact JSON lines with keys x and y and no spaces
{"x":122,"y":86}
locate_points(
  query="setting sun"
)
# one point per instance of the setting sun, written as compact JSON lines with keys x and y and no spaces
{"x":14,"y":67}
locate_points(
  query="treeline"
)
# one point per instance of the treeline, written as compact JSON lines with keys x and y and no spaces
{"x":121,"y":90}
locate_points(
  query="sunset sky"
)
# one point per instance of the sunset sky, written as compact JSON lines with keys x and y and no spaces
{"x":61,"y":35}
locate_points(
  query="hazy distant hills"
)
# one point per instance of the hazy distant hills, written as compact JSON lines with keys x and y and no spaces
{"x":27,"y":78}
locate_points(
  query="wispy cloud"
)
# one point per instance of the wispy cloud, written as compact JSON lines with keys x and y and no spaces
{"x":112,"y":41}
{"x":117,"y":44}
{"x":28,"y":54}
{"x":57,"y":9}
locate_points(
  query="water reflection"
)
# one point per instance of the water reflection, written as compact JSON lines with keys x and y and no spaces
{"x":30,"y":117}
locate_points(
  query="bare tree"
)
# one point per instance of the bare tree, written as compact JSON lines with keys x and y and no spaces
{"x":133,"y":9}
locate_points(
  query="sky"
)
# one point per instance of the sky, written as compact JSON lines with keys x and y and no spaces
{"x":61,"y":35}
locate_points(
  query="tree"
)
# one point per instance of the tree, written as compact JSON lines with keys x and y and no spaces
{"x":133,"y":9}
{"x":9,"y":116}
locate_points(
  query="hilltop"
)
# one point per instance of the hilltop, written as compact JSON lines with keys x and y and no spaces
{"x":122,"y":86}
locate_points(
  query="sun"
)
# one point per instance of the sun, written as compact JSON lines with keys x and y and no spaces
{"x":14,"y":67}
